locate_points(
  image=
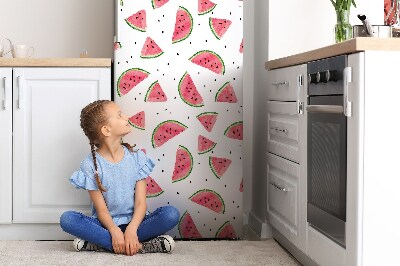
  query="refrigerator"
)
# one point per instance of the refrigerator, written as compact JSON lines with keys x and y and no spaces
{"x":178,"y":76}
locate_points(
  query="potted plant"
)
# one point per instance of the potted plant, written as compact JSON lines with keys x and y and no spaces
{"x":343,"y":30}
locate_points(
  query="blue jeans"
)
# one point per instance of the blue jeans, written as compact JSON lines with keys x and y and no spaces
{"x":90,"y":229}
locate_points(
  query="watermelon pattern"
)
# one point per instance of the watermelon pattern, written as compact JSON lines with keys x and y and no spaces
{"x":178,"y":74}
{"x":209,"y":199}
{"x":219,"y":165}
{"x":205,"y":144}
{"x":188,"y":91}
{"x":165,"y":131}
{"x":209,"y":60}
{"x":205,"y":6}
{"x":219,"y":26}
{"x":183,"y":25}
{"x":187,"y":227}
{"x":155,"y":93}
{"x":138,"y":120}
{"x":129,"y":79}
{"x":226,"y":94}
{"x":183,"y":164}
{"x":158,"y":3}
{"x":150,"y":49}
{"x":152,"y":188}
{"x":138,"y":20}
{"x":235,"y":131}
{"x":226,"y":231}
{"x":208,"y":119}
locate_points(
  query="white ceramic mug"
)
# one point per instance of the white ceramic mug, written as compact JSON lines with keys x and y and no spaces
{"x":2,"y":53}
{"x":22,"y":50}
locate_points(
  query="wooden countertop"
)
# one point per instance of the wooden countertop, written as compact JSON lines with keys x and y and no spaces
{"x":55,"y":62}
{"x":348,"y":47}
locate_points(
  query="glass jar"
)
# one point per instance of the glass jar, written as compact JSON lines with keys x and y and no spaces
{"x":343,"y":30}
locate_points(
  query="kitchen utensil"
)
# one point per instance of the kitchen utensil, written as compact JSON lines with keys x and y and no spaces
{"x":2,"y":53}
{"x":368,"y":30}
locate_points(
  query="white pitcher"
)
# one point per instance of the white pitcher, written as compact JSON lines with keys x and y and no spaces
{"x":2,"y":46}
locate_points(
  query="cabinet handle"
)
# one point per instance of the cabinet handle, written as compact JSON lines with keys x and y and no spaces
{"x":284,"y":83}
{"x":20,"y":88}
{"x":280,"y":129}
{"x":5,"y":93}
{"x":279,"y":187}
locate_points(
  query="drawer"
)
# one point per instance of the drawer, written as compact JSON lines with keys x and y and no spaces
{"x":283,"y":196}
{"x":284,"y":83}
{"x":283,"y":130}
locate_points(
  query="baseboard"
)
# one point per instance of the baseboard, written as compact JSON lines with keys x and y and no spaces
{"x":292,"y":249}
{"x":262,"y":229}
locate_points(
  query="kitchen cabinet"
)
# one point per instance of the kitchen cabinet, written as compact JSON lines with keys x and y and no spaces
{"x":284,"y":127}
{"x":371,"y":108}
{"x":42,"y":141}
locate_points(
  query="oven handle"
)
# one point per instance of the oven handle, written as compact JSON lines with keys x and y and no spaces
{"x":335,"y":109}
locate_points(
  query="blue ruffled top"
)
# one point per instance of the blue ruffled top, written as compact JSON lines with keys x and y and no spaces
{"x":118,"y":178}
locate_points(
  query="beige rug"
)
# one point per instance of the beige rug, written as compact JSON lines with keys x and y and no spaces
{"x":241,"y":252}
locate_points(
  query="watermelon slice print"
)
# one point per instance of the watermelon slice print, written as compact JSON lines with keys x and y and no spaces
{"x":129,"y":79}
{"x":219,"y":165}
{"x":155,"y":93}
{"x":226,"y":231}
{"x":209,"y":199}
{"x":187,"y":228}
{"x":183,"y":25}
{"x":241,"y":186}
{"x":241,"y":47}
{"x":152,"y":189}
{"x":209,"y":60}
{"x":150,"y":49}
{"x":235,"y":131}
{"x":205,"y":6}
{"x":204,"y":144}
{"x":183,"y":164}
{"x":165,"y":131}
{"x":208,"y":119}
{"x":138,"y":120}
{"x":158,"y":3}
{"x":117,"y":45}
{"x":226,"y":94}
{"x":188,"y":92}
{"x":219,"y":26}
{"x":138,"y":21}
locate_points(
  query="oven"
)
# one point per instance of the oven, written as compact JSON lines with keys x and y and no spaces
{"x":327,"y":148}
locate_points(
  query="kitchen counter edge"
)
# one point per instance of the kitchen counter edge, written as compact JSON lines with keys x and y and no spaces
{"x":55,"y":62}
{"x":348,"y":47}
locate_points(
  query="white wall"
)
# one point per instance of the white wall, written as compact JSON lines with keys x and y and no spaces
{"x":303,"y":25}
{"x":60,"y":28}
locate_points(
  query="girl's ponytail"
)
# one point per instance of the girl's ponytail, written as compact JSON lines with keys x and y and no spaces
{"x":96,"y":173}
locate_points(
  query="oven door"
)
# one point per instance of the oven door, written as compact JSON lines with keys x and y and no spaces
{"x":326,"y":166}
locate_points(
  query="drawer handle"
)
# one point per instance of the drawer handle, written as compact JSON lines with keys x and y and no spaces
{"x":284,"y":83}
{"x":279,"y":187}
{"x":280,"y":129}
{"x":5,"y":93}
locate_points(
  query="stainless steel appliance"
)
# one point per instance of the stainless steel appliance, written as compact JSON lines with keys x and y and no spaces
{"x":327,"y":147}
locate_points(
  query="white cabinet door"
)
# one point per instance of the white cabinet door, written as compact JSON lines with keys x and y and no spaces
{"x":48,"y":141}
{"x":5,"y":146}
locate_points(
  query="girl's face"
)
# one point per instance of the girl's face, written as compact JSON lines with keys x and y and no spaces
{"x":117,"y":123}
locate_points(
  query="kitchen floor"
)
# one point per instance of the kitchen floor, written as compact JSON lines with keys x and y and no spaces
{"x":220,"y":252}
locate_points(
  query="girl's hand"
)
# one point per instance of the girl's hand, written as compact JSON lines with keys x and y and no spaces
{"x":118,"y":241}
{"x":132,"y":244}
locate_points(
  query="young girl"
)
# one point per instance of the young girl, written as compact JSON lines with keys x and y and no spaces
{"x":114,"y":175}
